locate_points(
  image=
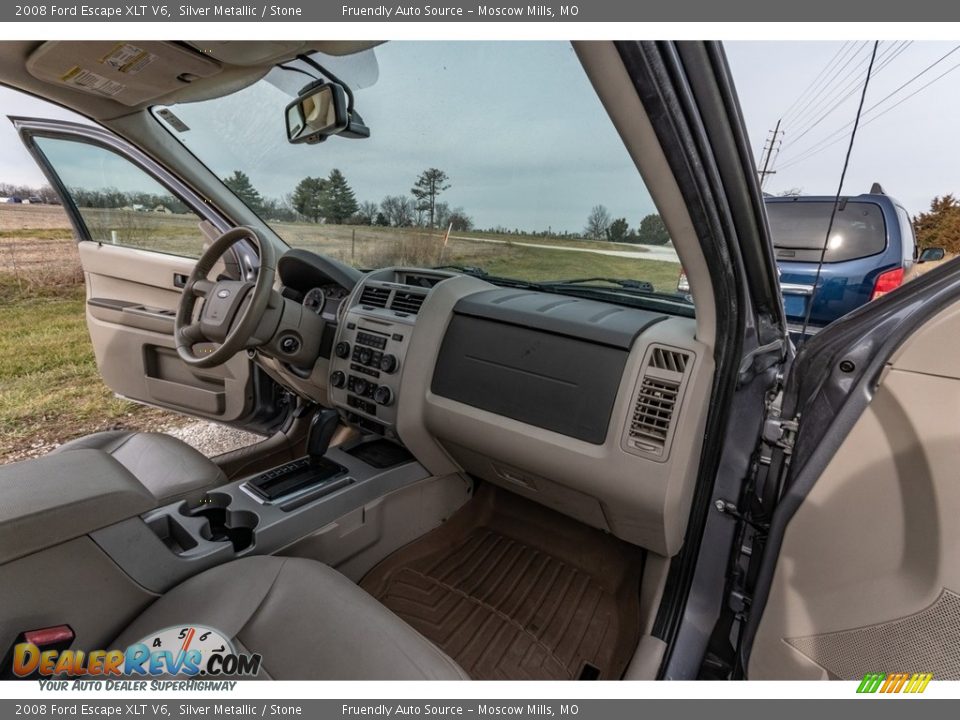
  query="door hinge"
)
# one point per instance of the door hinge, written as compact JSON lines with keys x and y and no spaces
{"x":778,"y":432}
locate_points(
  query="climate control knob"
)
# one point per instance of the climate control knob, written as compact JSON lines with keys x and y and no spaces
{"x":338,"y":379}
{"x":360,"y":386}
{"x":342,"y":349}
{"x":388,"y":363}
{"x":383,"y":395}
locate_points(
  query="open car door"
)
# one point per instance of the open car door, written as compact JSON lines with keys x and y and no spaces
{"x":139,"y":232}
{"x":861,"y":571}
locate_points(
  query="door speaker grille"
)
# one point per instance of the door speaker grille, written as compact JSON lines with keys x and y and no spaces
{"x":928,"y":641}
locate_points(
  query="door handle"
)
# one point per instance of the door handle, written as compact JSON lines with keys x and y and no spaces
{"x":179,"y":280}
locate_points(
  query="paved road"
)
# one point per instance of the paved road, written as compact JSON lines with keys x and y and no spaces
{"x":660,"y":253}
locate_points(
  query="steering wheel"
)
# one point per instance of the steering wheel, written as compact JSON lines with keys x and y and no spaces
{"x":232,"y":309}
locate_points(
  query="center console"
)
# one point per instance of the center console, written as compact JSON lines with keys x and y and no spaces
{"x":272,"y":510}
{"x":261,"y":514}
{"x":372,"y":342}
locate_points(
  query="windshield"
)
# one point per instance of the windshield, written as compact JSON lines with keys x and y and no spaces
{"x":799,"y":229}
{"x":496,"y":156}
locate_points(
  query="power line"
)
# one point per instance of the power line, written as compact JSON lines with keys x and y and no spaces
{"x":827,"y":91}
{"x":884,"y":59}
{"x":814,"y":149}
{"x":844,"y":57}
{"x":876,"y":117}
{"x":802,"y":96}
{"x":879,"y":69}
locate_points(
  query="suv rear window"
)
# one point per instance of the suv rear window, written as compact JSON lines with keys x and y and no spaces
{"x":800,"y":228}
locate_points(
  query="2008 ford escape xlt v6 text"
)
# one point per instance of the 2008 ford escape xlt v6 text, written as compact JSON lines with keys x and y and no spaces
{"x":489,"y":455}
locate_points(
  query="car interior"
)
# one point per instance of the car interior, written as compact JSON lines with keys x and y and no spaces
{"x":477,"y":481}
{"x":461,"y":478}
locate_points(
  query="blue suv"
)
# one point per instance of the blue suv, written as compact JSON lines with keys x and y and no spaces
{"x":871,"y":247}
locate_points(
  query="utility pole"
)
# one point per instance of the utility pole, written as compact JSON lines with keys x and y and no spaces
{"x":768,"y":153}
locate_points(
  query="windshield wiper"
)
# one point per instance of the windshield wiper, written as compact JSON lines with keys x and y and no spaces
{"x":580,"y":287}
{"x":465,"y":269}
{"x":641,"y":285}
{"x":479,"y":272}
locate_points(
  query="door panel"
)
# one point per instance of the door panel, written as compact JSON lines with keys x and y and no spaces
{"x":140,"y":230}
{"x":131,"y":301}
{"x":868,"y":578}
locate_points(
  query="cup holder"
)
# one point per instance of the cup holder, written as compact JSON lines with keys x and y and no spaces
{"x":223,"y":524}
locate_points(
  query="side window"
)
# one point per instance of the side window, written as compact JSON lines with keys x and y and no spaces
{"x":120,"y":203}
{"x":906,"y":235}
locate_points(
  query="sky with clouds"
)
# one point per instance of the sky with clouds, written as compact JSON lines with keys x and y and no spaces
{"x":518,"y":130}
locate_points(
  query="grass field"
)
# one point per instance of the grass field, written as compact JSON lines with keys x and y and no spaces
{"x":50,"y":389}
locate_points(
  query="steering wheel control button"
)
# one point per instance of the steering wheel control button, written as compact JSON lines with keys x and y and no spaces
{"x":338,"y":379}
{"x":289,"y":344}
{"x":388,"y":363}
{"x":383,"y":395}
{"x":223,"y":294}
{"x":342,"y":350}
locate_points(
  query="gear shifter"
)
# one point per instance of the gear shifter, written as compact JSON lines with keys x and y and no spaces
{"x":306,"y":473}
{"x":322,"y":428}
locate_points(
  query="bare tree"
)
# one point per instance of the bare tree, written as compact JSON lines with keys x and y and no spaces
{"x":367,"y":212}
{"x":429,"y":185}
{"x":598,"y":223}
{"x":398,"y":210}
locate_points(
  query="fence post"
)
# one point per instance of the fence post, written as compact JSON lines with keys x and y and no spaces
{"x":353,"y":245}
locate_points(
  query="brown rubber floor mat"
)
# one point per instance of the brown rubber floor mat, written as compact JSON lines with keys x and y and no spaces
{"x":514,"y":591}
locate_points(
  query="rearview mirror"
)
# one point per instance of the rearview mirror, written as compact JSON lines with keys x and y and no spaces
{"x":318,"y":112}
{"x":931,"y":254}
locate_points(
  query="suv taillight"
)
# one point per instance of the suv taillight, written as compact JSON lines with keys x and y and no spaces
{"x":887,"y":281}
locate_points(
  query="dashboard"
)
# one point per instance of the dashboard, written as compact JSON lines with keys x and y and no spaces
{"x":373,"y":337}
{"x":594,"y":409}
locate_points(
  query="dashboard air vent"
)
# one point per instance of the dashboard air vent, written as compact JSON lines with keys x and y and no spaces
{"x":672,"y":360}
{"x":374,"y":296}
{"x":658,"y":400}
{"x":653,"y":413}
{"x":407,"y":302}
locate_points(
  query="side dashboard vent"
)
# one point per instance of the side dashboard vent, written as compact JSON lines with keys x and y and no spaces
{"x":666,"y":359}
{"x":657,"y":402}
{"x":407,"y":302}
{"x":373,"y":296}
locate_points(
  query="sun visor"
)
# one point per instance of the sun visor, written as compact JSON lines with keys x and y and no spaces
{"x":131,"y":73}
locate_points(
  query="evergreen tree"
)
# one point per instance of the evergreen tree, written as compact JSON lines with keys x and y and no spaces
{"x":940,"y":226}
{"x":652,"y":231}
{"x":307,"y":198}
{"x":241,"y":186}
{"x":618,"y":230}
{"x":339,"y":200}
